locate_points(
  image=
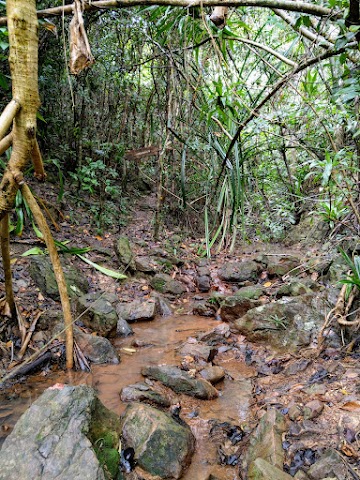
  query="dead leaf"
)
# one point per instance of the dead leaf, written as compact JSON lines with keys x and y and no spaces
{"x":351,"y":406}
{"x":314,"y":276}
{"x":145,"y":287}
{"x":41,"y":297}
{"x":97,"y":237}
{"x":267,"y":284}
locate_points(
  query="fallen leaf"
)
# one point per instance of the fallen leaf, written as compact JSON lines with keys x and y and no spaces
{"x":267,"y":284}
{"x":97,"y":237}
{"x":351,"y":406}
{"x":40,"y":297}
{"x":145,"y":287}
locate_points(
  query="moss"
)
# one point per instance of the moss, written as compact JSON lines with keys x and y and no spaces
{"x":109,"y":459}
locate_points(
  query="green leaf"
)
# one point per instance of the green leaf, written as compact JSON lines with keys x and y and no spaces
{"x":33,"y":251}
{"x":105,"y":271}
{"x":40,"y":117}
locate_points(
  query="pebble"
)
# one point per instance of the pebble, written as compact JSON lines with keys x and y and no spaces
{"x":313,"y":409}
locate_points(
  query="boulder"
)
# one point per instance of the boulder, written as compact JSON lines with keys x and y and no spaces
{"x":42,"y":273}
{"x":239,"y":272}
{"x":137,"y":311}
{"x":289,"y":323}
{"x":125,"y":254}
{"x":251,"y":292}
{"x":97,"y":312}
{"x":235,"y":306}
{"x":330,"y":464}
{"x":180,"y":381}
{"x":198,"y":350}
{"x":203,"y":283}
{"x":166,"y":284}
{"x":96,"y":349}
{"x":145,"y":264}
{"x":266,"y":441}
{"x":282,"y":265}
{"x":58,"y":437}
{"x":141,"y":392}
{"x":163,"y":447}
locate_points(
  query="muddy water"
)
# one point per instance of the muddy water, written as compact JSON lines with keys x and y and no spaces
{"x":159,"y":341}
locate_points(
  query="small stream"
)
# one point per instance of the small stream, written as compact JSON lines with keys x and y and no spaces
{"x":157,"y":343}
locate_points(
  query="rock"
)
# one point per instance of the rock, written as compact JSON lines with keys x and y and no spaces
{"x":137,"y":311}
{"x":163,"y":306}
{"x":287,"y":324}
{"x":262,"y":470}
{"x":330,"y":464}
{"x":295,"y":412}
{"x":313,"y":409}
{"x":49,"y":319}
{"x":204,"y":309}
{"x":145,"y":264}
{"x":203,"y":283}
{"x":198,"y":350}
{"x":293,"y":288}
{"x":282,"y":265}
{"x":180,"y":381}
{"x":123,"y":329}
{"x":239,"y":272}
{"x":213,"y":374}
{"x":125,"y":254}
{"x":141,"y":392}
{"x":162,"y":446}
{"x":42,"y":273}
{"x":338,"y":269}
{"x":97,"y":311}
{"x":234,"y":307}
{"x":166,"y":284}
{"x":96,"y":349}
{"x":266,"y":440}
{"x":203,"y":271}
{"x":57,"y":436}
{"x":252,"y":292}
{"x":216,"y":335}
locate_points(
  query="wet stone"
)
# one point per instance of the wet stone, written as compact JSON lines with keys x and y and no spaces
{"x":198,"y":351}
{"x":51,"y":434}
{"x":234,"y":307}
{"x":141,"y":392}
{"x":97,"y":311}
{"x":180,"y":381}
{"x":96,"y":349}
{"x":123,"y":329}
{"x":163,"y":447}
{"x":213,"y":374}
{"x":204,"y":309}
{"x":137,"y":311}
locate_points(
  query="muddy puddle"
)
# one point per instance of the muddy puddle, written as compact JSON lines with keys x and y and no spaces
{"x":156,"y":342}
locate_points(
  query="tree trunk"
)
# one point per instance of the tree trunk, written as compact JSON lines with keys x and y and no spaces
{"x":23,"y":59}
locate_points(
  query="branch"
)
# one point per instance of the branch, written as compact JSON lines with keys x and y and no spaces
{"x":278,"y":85}
{"x":291,"y":6}
{"x":6,"y":143}
{"x":8,"y":116}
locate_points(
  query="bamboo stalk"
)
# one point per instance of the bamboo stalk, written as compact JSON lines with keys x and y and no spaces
{"x":58,"y":271}
{"x":6,"y":143}
{"x":8,"y":116}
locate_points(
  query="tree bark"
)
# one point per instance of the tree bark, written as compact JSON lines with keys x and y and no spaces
{"x":290,"y":5}
{"x":23,"y":59}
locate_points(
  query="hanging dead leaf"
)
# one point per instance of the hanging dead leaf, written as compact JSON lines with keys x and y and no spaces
{"x":80,"y":53}
{"x":351,"y":406}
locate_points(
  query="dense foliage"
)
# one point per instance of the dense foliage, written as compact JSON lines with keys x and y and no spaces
{"x":167,"y":77}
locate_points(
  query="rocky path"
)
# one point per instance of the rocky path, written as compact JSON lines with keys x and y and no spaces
{"x":228,"y":346}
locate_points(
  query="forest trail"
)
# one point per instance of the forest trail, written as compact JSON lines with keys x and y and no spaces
{"x":314,"y":389}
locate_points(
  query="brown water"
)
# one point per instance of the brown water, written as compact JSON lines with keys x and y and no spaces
{"x":160,"y":339}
